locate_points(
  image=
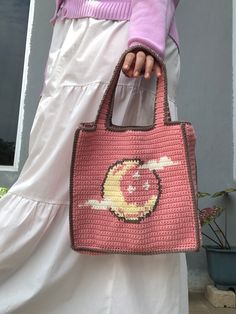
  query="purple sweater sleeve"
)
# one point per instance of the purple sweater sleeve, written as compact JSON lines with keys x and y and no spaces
{"x":150,"y":23}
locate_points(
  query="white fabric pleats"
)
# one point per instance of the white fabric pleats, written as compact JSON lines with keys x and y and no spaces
{"x":39,"y":272}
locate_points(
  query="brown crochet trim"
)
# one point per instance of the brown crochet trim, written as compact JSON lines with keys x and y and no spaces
{"x":95,"y":250}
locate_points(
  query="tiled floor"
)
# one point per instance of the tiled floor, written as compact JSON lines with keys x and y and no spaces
{"x":199,"y":305}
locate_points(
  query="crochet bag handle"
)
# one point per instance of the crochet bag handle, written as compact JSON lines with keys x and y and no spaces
{"x":161,"y":112}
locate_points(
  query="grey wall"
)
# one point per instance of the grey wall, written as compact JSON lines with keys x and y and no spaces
{"x":204,"y":98}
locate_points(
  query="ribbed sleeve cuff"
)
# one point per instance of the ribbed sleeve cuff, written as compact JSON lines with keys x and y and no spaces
{"x":146,"y":44}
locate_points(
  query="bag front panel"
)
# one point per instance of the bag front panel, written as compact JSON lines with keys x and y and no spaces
{"x":131,"y":192}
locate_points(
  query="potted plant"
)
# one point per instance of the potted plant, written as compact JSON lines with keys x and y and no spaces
{"x":221,"y":256}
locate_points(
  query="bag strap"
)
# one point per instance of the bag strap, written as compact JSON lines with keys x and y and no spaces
{"x":161,"y":112}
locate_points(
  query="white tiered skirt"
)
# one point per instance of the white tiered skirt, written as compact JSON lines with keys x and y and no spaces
{"x":39,"y":272}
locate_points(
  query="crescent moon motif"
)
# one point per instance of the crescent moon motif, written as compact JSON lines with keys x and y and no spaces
{"x":132,"y":190}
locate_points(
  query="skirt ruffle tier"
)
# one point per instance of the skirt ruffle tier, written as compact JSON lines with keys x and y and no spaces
{"x":39,"y":272}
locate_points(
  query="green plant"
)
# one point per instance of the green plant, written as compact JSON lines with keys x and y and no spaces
{"x":209,"y":215}
{"x":3,"y":191}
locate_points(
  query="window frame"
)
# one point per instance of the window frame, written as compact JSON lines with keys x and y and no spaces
{"x":20,"y":122}
{"x":234,"y":85}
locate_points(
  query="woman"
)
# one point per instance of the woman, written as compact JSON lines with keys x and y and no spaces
{"x":40,"y":273}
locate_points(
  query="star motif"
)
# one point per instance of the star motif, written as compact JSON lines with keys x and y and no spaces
{"x":146,"y":185}
{"x":136,"y":175}
{"x":131,"y":189}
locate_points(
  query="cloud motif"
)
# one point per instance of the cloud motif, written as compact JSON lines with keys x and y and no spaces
{"x":160,"y":164}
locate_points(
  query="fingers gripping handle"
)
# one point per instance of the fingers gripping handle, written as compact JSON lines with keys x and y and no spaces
{"x":162,"y":112}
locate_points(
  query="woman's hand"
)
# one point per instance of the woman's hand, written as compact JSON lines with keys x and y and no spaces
{"x":140,"y":63}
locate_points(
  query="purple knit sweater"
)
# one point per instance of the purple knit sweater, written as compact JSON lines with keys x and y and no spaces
{"x":151,"y":21}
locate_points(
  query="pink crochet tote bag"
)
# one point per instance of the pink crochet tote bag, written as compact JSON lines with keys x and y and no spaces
{"x":133,"y":190}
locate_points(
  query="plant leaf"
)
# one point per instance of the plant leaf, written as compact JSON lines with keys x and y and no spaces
{"x":230,"y":190}
{"x":202,"y":194}
{"x":209,"y":214}
{"x":220,"y":193}
{"x":224,"y":192}
{"x":3,"y":191}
